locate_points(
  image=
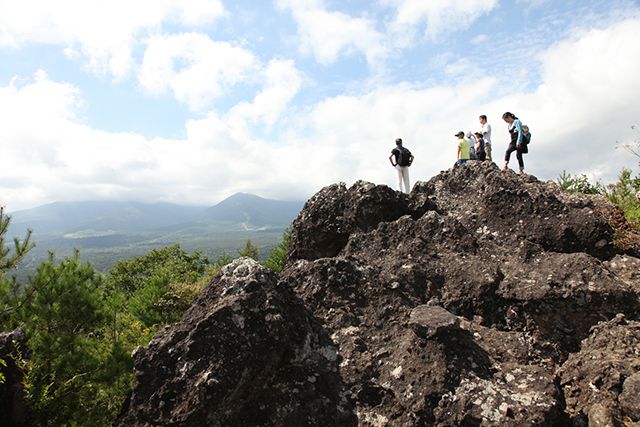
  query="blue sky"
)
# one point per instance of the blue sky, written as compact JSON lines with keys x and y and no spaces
{"x":190,"y":101}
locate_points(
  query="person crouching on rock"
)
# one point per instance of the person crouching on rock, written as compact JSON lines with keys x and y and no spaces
{"x":481,"y":153}
{"x":516,"y":144}
{"x":401,"y":158}
{"x":463,"y":149}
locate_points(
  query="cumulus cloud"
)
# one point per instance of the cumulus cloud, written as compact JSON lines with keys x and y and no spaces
{"x":282,"y":82}
{"x":194,"y":67}
{"x":103,"y":33}
{"x":63,"y":159}
{"x":326,"y":35}
{"x":585,"y":102}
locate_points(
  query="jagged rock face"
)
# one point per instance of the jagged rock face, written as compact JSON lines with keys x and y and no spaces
{"x":605,"y":372}
{"x":14,"y":410}
{"x":246,"y":353}
{"x":462,"y":303}
{"x":333,"y":214}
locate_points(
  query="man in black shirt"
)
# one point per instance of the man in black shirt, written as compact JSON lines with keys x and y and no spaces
{"x":401,"y":158}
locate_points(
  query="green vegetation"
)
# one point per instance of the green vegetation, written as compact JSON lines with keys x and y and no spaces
{"x":61,"y":317}
{"x":625,"y":217}
{"x":9,"y":260}
{"x":579,"y":184}
{"x":82,"y":326}
{"x":3,"y":364}
{"x":278,"y":255}
{"x":104,"y":254}
{"x":250,"y":251}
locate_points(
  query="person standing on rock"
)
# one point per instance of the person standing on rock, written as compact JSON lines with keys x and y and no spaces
{"x":464,"y":152}
{"x":481,"y":153}
{"x":472,"y":145}
{"x":517,"y":143}
{"x":401,"y":158}
{"x":485,"y":130}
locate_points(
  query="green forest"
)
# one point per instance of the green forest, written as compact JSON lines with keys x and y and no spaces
{"x":83,"y":326}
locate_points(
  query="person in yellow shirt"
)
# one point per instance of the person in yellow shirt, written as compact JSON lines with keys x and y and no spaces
{"x":463,"y":149}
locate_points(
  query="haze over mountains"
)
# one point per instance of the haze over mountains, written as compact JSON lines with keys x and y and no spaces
{"x":105,"y":231}
{"x":239,"y":212}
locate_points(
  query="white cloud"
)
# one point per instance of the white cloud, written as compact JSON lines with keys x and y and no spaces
{"x":327,"y":35}
{"x":460,"y":66}
{"x":439,"y":16}
{"x":585,"y":103}
{"x":479,"y":39}
{"x":194,"y":67}
{"x":282,"y":83}
{"x":61,"y":158}
{"x":104,"y":33}
{"x":532,"y":4}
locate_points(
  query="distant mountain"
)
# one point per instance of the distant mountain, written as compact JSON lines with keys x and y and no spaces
{"x":106,"y":232}
{"x":250,"y":212}
{"x":100,"y":217}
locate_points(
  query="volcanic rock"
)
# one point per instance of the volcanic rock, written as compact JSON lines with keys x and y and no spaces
{"x":602,"y":380}
{"x":429,"y":321}
{"x":246,"y":353}
{"x":477,"y":299}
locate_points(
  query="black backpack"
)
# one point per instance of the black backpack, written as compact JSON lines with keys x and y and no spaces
{"x":404,"y":156}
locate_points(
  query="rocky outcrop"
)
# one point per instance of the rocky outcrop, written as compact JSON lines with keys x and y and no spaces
{"x":475,"y":300}
{"x":14,"y":410}
{"x":246,"y":353}
{"x":602,"y":380}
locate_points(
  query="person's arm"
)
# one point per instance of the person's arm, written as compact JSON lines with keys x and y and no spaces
{"x":391,"y":160}
{"x":519,"y":129}
{"x":459,"y":151}
{"x":410,"y":160}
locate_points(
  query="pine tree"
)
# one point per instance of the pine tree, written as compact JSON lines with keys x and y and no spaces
{"x":9,"y":260}
{"x":250,"y":251}
{"x":60,"y":320}
{"x":12,"y":294}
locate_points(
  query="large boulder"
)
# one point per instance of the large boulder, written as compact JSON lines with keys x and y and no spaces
{"x":335,"y":212}
{"x":246,"y":353}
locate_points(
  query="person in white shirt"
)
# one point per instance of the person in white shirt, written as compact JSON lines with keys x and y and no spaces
{"x":486,"y":134}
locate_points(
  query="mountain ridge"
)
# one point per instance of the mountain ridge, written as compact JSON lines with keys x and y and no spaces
{"x":128,"y":216}
{"x":110,"y":231}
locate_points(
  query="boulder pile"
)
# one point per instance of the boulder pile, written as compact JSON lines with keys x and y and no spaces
{"x":479,"y":299}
